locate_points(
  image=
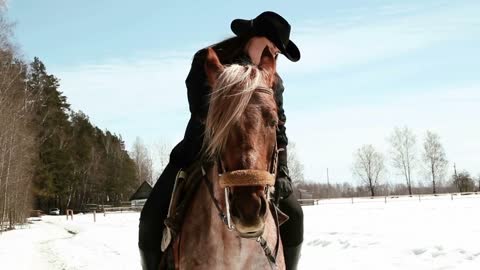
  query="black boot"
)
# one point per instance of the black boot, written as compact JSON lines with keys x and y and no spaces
{"x":149,"y":241}
{"x":150,"y":259}
{"x":292,"y":256}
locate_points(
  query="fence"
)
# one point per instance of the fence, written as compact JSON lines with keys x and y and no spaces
{"x":391,"y":198}
{"x":122,"y":209}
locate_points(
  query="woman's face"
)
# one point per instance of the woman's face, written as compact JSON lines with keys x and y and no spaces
{"x":255,"y":47}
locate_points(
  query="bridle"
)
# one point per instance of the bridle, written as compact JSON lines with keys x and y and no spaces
{"x":247,"y":177}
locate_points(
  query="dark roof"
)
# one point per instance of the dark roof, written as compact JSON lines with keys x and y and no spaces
{"x":143,"y":191}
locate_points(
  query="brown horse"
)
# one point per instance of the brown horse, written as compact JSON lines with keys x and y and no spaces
{"x":240,"y":139}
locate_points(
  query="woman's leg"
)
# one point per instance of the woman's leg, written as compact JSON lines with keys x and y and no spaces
{"x":153,"y":214}
{"x":291,"y":231}
{"x":155,"y":209}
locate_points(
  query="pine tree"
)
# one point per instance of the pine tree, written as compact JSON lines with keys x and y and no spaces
{"x":54,"y":170}
{"x":78,"y":163}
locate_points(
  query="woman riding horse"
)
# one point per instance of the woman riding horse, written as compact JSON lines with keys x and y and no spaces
{"x":252,"y":36}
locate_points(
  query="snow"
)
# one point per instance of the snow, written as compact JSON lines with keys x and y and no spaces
{"x":55,"y":243}
{"x":404,"y":233}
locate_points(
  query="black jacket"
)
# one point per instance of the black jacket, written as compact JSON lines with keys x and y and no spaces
{"x":199,"y":90}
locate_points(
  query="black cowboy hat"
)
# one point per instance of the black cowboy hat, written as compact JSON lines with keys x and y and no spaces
{"x":272,"y":26}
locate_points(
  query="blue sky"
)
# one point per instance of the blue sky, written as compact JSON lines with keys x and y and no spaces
{"x":366,"y":67}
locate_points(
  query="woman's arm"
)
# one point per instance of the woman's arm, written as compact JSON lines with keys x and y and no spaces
{"x":282,"y":139}
{"x":197,"y":86}
{"x":283,"y":183}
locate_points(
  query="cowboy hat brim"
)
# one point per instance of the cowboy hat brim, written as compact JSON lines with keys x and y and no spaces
{"x":290,"y":50}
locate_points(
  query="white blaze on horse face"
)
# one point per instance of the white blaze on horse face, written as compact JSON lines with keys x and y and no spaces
{"x":251,"y":158}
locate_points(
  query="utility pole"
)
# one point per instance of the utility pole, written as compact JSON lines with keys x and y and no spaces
{"x":328,"y":186}
{"x":455,"y":176}
{"x":455,"y":169}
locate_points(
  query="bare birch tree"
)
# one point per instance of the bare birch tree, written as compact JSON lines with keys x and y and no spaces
{"x":295,"y":167}
{"x":402,"y":143}
{"x":434,"y":158}
{"x":161,"y":158}
{"x":143,"y":161}
{"x":369,"y":167}
{"x":16,"y":135}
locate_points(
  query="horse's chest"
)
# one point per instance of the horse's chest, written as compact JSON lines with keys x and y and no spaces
{"x":217,"y":253}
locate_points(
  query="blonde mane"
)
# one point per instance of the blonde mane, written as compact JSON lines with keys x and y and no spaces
{"x":229,"y":98}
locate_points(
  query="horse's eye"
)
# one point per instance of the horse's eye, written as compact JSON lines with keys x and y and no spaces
{"x":272,"y":123}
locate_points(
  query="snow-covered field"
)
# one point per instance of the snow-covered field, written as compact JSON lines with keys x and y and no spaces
{"x":55,"y":243}
{"x":404,"y":233}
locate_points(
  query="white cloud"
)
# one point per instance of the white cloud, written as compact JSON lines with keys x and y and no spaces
{"x":145,"y":97}
{"x":355,"y":39}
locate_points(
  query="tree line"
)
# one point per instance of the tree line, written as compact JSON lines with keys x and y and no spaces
{"x":51,"y":155}
{"x":370,"y":168}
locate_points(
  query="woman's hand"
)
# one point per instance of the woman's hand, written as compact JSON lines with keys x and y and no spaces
{"x":255,"y":46}
{"x":283,"y":187}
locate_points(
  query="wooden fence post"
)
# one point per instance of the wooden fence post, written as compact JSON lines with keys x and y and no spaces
{"x":69,"y":212}
{"x":94,"y":216}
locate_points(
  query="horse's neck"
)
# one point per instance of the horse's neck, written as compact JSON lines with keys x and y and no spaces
{"x":205,"y":242}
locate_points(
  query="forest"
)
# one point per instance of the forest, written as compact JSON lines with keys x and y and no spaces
{"x":51,"y":155}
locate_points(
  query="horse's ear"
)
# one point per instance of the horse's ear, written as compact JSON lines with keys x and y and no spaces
{"x":213,"y":67}
{"x":268,"y":63}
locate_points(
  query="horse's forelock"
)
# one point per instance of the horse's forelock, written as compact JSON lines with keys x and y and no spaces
{"x":228,"y":101}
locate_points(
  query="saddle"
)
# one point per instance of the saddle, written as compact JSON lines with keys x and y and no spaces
{"x":185,"y":186}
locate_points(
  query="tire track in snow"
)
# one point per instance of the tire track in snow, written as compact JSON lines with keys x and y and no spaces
{"x":47,"y":247}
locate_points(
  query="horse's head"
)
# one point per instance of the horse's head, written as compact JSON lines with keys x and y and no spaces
{"x":241,"y":136}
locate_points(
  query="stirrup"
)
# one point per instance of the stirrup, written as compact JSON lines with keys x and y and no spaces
{"x":166,"y":238}
{"x":167,"y":233}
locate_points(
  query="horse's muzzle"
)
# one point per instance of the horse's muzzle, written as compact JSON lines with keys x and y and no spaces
{"x":249,"y":208}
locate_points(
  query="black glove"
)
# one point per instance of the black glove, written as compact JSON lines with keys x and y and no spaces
{"x":283,"y":187}
{"x":283,"y":184}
